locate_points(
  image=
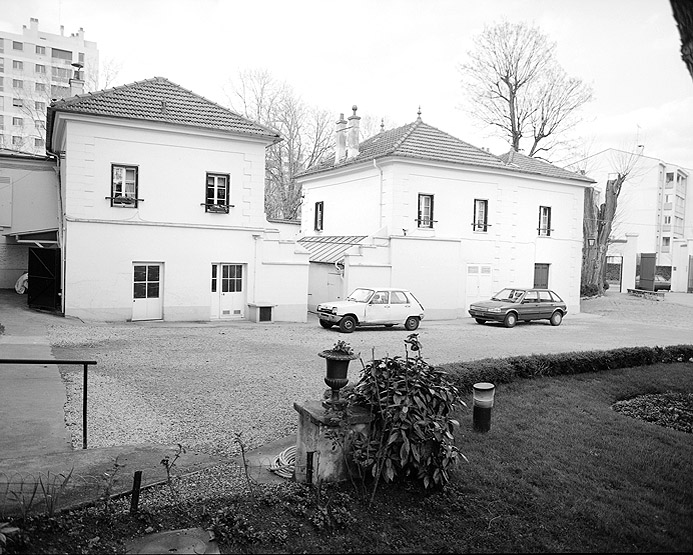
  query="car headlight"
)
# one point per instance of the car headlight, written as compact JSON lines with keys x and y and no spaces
{"x":494,"y":310}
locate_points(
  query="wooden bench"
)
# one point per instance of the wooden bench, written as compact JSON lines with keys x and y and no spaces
{"x":647,"y":294}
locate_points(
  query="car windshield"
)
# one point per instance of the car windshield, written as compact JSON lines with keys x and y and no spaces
{"x":511,"y":295}
{"x":360,"y":295}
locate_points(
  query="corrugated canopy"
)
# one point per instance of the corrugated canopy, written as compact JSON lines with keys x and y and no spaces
{"x":329,"y":249}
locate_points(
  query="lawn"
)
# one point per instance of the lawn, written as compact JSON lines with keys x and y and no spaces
{"x":560,"y":471}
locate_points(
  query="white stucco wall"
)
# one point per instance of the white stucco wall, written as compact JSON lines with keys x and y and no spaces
{"x":169,"y":226}
{"x":435,"y":263}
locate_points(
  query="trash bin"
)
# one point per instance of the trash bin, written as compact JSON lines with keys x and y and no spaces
{"x":483,"y":403}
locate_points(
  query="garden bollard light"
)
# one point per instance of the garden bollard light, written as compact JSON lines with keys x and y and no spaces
{"x":483,"y":403}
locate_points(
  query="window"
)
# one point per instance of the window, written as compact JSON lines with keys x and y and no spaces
{"x":17,"y":45}
{"x":39,"y":143}
{"x":425,"y":218}
{"x":60,"y":72}
{"x":40,"y":87}
{"x":231,"y":278}
{"x":319,"y":216}
{"x":40,"y":106}
{"x":17,"y":102}
{"x":61,"y":54}
{"x":667,"y":220}
{"x":398,"y":297}
{"x":2,"y":65}
{"x":545,"y":221}
{"x":2,"y":84}
{"x":17,"y":121}
{"x":670,"y":177}
{"x":124,"y":186}
{"x":666,"y":243}
{"x":217,"y":196}
{"x":2,"y":45}
{"x":16,"y":141}
{"x":41,"y":50}
{"x":80,"y":58}
{"x":545,"y":297}
{"x":16,"y":64}
{"x":17,"y":83}
{"x":480,"y":222}
{"x":40,"y":68}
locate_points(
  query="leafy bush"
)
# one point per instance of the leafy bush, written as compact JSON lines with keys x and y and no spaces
{"x":411,"y":434}
{"x":465,"y":374}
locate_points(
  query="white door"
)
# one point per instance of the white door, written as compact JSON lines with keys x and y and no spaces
{"x":147,"y":298}
{"x":228,"y":291}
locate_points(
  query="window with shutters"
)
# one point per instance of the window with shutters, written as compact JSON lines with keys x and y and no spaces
{"x":545,"y":221}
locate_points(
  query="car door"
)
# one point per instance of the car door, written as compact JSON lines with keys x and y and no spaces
{"x":546,"y":304}
{"x":378,"y":309}
{"x":529,"y":307}
{"x":400,"y":307}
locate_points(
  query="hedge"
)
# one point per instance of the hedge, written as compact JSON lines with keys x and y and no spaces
{"x":505,"y":370}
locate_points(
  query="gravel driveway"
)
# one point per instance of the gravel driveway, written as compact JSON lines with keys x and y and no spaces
{"x":200,"y":384}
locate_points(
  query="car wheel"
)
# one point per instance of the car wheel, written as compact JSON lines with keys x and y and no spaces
{"x":347,"y":324}
{"x":510,"y":320}
{"x":556,"y":318}
{"x":480,"y":321}
{"x":325,"y":324}
{"x":411,"y":323}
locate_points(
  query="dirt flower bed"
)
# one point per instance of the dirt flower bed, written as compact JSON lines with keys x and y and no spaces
{"x":672,"y":410}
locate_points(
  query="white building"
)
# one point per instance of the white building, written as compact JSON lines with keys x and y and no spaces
{"x":160,"y":203}
{"x":414,"y":207}
{"x":35,"y":67}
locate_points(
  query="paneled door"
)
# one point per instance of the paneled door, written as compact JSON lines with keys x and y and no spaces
{"x":147,"y":301}
{"x":228,"y":291}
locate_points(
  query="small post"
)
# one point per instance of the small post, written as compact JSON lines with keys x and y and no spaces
{"x":136,"y":486}
{"x":84,"y":408}
{"x":483,"y":403}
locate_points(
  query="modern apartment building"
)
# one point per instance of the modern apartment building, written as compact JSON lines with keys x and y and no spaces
{"x":654,"y":202}
{"x":35,"y":67}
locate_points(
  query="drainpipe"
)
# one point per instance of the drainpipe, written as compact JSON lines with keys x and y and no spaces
{"x":380,"y":201}
{"x":61,"y":228}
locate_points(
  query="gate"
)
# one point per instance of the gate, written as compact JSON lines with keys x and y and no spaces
{"x":648,"y":262}
{"x":44,"y":279}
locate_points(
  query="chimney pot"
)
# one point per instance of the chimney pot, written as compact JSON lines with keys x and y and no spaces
{"x":353,"y":134}
{"x":340,"y":139}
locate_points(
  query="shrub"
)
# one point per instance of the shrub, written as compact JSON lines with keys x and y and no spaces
{"x":411,"y":434}
{"x":465,"y":374}
{"x":589,"y":290}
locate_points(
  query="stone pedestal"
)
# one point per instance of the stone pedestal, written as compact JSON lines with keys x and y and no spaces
{"x":319,"y":458}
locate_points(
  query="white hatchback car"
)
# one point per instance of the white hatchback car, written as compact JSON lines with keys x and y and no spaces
{"x":383,"y":306}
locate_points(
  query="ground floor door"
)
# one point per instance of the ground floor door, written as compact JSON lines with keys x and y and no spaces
{"x":541,"y":276}
{"x":690,"y":274}
{"x":147,"y":297}
{"x":44,"y":279}
{"x":228,"y":291}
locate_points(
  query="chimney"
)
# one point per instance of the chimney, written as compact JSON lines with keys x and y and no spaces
{"x":76,"y":82}
{"x":62,"y":30}
{"x":353,"y":134}
{"x":33,"y":24}
{"x":340,"y":139}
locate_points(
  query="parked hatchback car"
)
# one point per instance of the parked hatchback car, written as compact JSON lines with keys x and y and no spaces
{"x":513,"y":304}
{"x":386,"y":306}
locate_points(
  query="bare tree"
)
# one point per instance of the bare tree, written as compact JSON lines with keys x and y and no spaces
{"x":106,"y":75}
{"x":683,"y":14}
{"x":307,"y":133}
{"x":517,"y":87}
{"x":599,"y":220}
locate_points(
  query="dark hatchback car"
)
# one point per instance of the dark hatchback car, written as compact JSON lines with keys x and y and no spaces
{"x":514,"y":304}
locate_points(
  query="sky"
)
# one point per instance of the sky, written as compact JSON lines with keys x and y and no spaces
{"x":390,"y":57}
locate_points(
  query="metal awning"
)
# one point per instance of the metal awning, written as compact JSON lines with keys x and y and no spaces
{"x":44,"y":239}
{"x":329,"y":249}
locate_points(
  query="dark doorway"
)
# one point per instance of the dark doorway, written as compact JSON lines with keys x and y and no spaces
{"x":44,"y":279}
{"x":541,"y":276}
{"x":690,"y":274}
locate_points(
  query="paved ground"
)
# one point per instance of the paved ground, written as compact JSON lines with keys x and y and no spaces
{"x":32,"y":398}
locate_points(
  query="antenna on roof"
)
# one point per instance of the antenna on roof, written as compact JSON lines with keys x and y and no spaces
{"x":382,"y":125}
{"x":418,"y":114}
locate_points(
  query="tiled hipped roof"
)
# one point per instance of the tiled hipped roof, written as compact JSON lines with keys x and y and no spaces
{"x":421,"y":141}
{"x":159,"y":100}
{"x":540,"y":167}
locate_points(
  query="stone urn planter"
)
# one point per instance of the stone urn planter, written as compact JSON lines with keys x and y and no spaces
{"x":337,"y":359}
